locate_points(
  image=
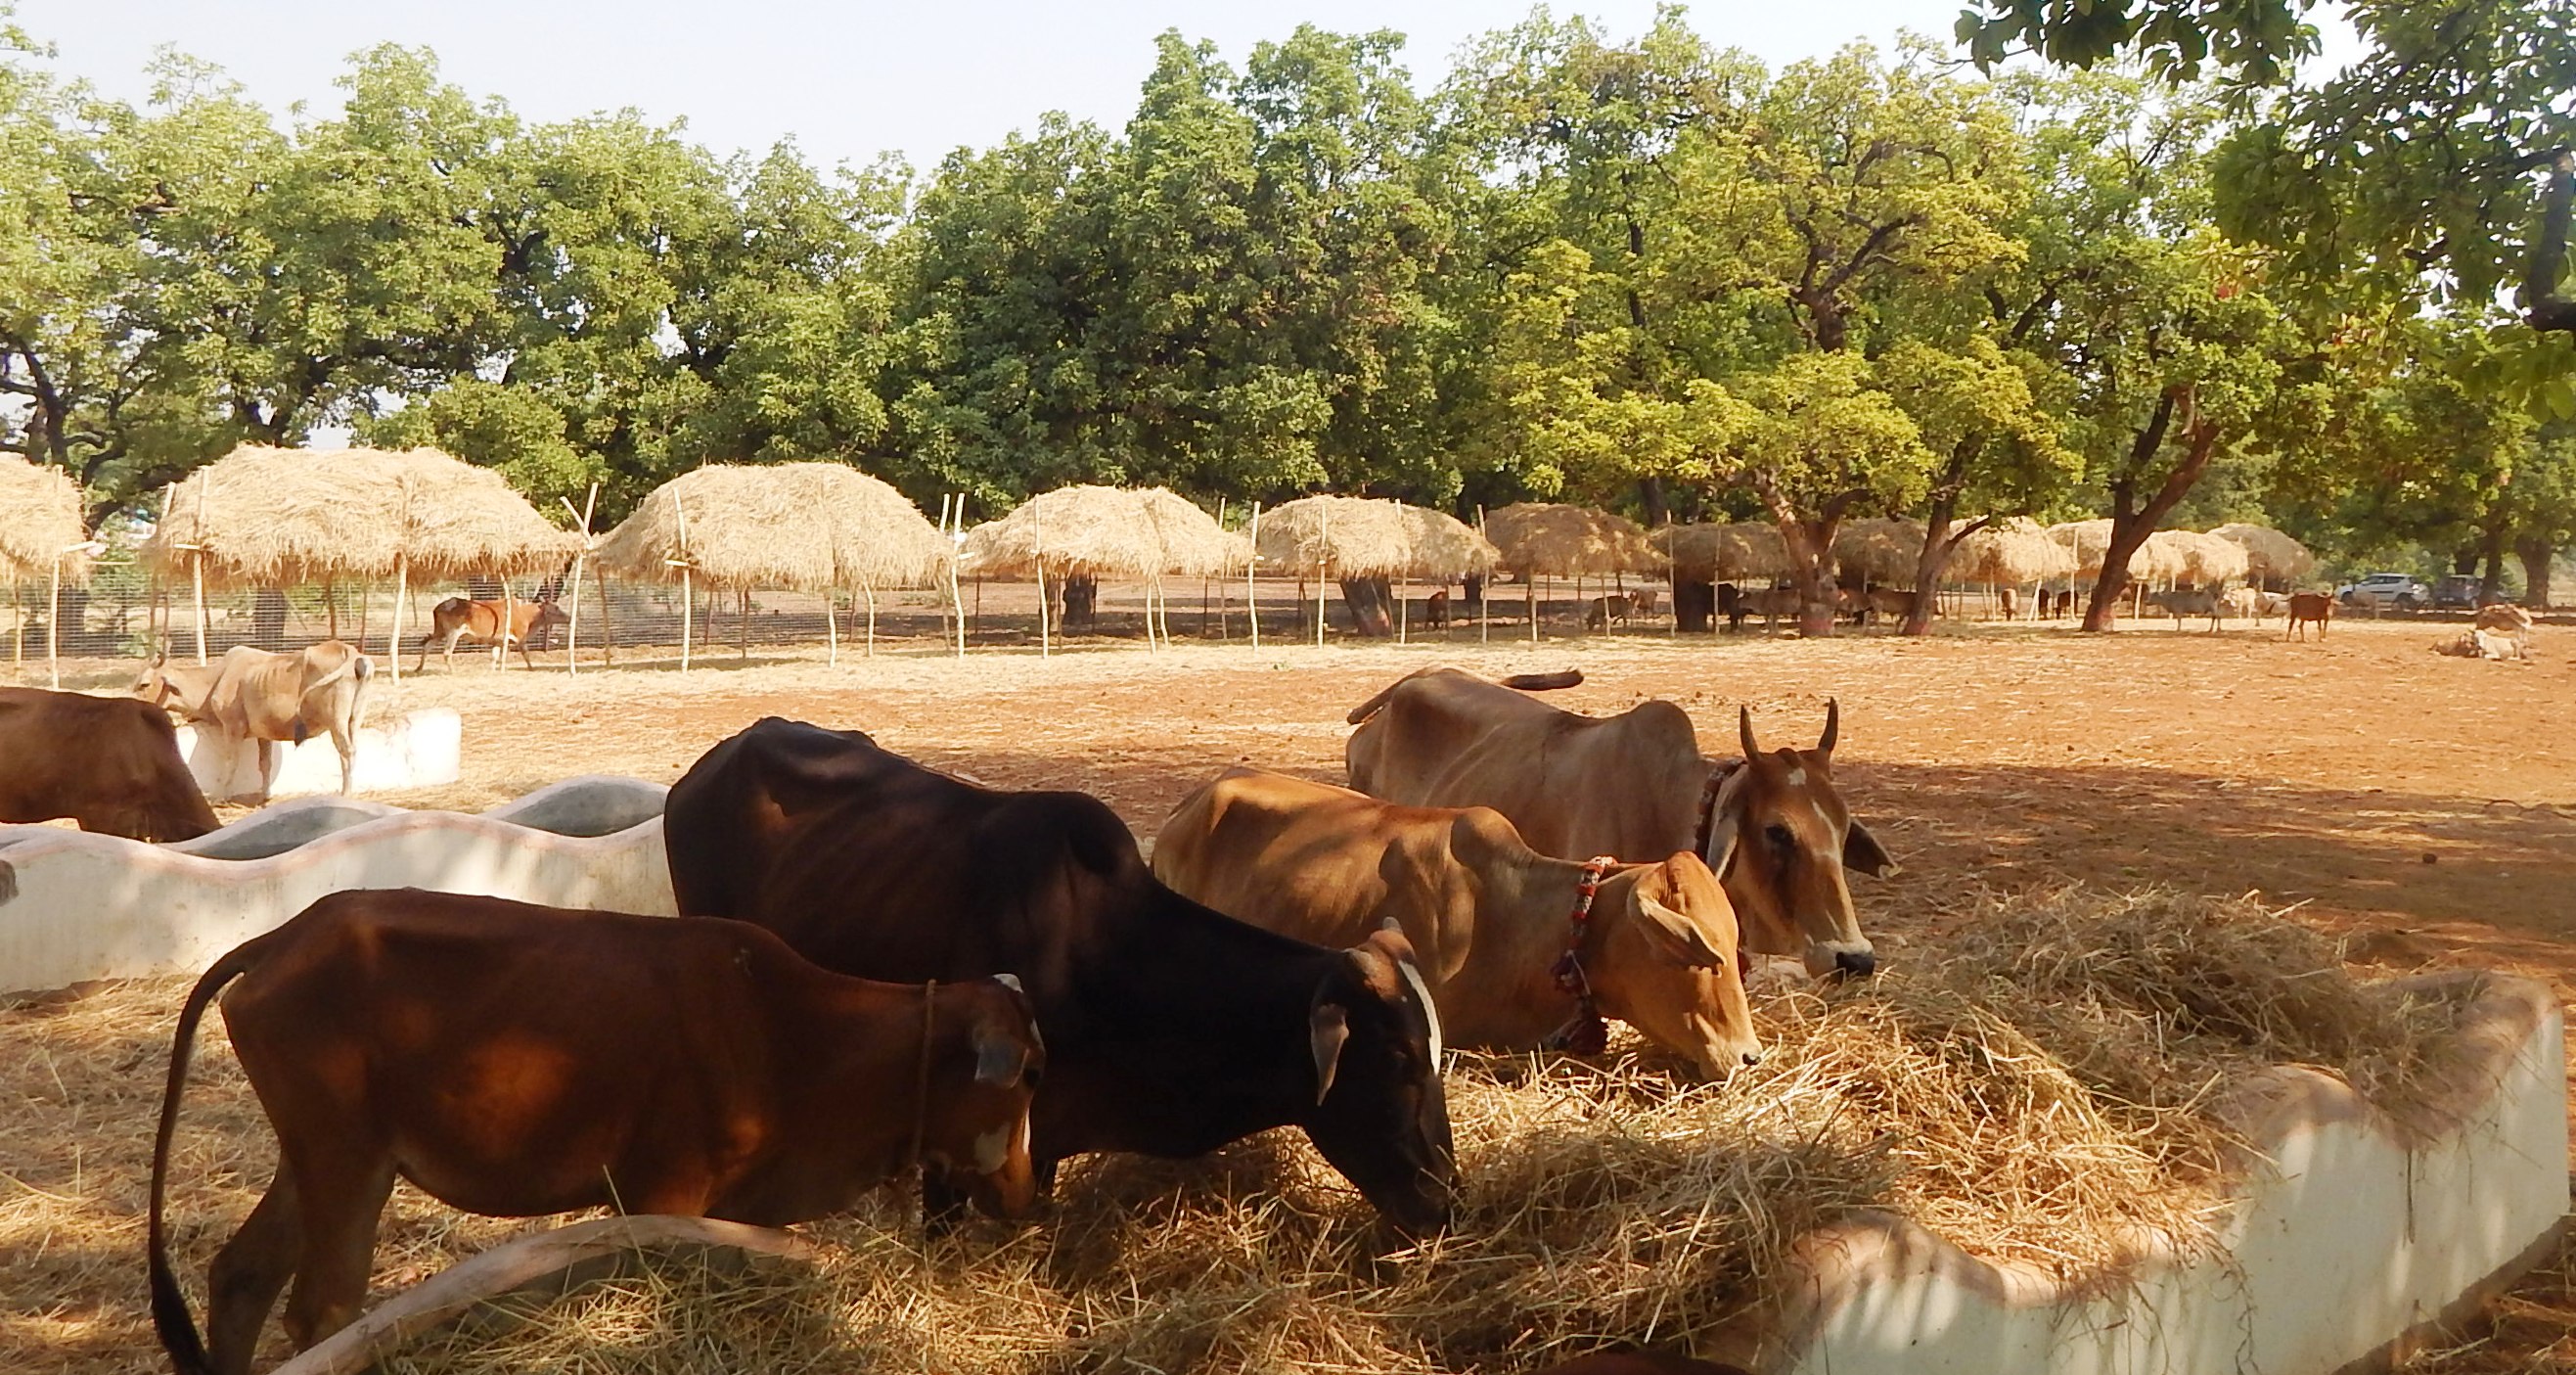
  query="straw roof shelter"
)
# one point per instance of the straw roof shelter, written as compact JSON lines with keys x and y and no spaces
{"x":264,"y":517}
{"x":2190,"y":556}
{"x":1884,"y":550}
{"x":1560,"y":541}
{"x":40,"y":523}
{"x":1193,"y":544}
{"x":1442,"y":546}
{"x":2268,"y":552}
{"x":2086,"y":541}
{"x":1722,"y":552}
{"x":805,"y":527}
{"x":2012,"y":551}
{"x":1099,"y":531}
{"x":1347,"y":536}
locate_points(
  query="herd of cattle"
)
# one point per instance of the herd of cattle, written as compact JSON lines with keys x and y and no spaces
{"x":880,"y":966}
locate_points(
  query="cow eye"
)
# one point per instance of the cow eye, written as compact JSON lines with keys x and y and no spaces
{"x":1779,"y":836}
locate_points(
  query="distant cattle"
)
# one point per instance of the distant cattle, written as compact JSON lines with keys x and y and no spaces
{"x":2493,"y":645}
{"x":2007,"y":604}
{"x":2190,"y":602}
{"x":110,"y":764}
{"x":2504,"y":618}
{"x":1634,"y":786}
{"x":516,"y":1061}
{"x":1884,"y":602}
{"x":1652,"y":945}
{"x":1435,"y":608}
{"x":480,"y":621}
{"x":2306,"y":608}
{"x":1622,"y":607}
{"x":1172,"y":1029}
{"x":1769,"y":603}
{"x":252,"y":694}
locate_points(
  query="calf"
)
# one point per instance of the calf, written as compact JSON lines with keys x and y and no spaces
{"x":2306,"y":607}
{"x":2007,"y":603}
{"x":456,"y":619}
{"x":515,"y":1061}
{"x":1603,"y":610}
{"x":1435,"y":608}
{"x":1653,"y":945}
{"x":252,"y":694}
{"x":2190,"y":602}
{"x":109,"y":763}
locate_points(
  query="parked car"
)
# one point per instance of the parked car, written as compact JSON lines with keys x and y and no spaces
{"x":2381,"y":590}
{"x":2455,"y":592}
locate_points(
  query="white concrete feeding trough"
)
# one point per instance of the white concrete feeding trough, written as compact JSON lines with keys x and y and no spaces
{"x":420,"y":749}
{"x":2355,"y":1234}
{"x":76,"y":906}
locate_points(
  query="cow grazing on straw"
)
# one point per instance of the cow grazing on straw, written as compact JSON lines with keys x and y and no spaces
{"x":252,"y":694}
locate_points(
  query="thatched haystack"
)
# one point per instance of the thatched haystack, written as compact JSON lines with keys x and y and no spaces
{"x":1193,"y":544}
{"x":1442,"y":547}
{"x":1101,"y":532}
{"x":2012,"y":552}
{"x":2189,"y":556}
{"x":40,"y":524}
{"x":1355,"y":537}
{"x":1884,"y":550}
{"x":2269,"y":554}
{"x":1742,"y":551}
{"x":263,"y":517}
{"x":805,"y":527}
{"x":1549,"y":539}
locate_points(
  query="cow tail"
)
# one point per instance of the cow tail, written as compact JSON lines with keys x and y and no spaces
{"x":170,"y":1317}
{"x":366,"y":672}
{"x":1376,"y":704}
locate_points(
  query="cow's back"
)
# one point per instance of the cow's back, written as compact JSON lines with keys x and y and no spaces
{"x":111,"y":763}
{"x":1574,"y":786}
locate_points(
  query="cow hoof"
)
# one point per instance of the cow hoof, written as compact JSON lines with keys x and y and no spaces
{"x":1855,"y":964}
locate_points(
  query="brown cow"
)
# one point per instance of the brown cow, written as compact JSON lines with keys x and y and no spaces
{"x":1435,"y":608}
{"x":109,"y":763}
{"x":252,"y":694}
{"x":456,"y":619}
{"x":1634,"y":786}
{"x":515,"y":1061}
{"x":2306,"y":607}
{"x":1487,"y":916}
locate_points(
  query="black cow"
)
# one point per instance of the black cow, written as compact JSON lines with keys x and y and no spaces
{"x":1171,"y":1030}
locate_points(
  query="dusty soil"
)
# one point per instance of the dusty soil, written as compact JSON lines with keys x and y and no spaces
{"x":2423,"y":807}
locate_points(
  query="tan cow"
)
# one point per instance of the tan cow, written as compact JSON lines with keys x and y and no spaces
{"x":1489,"y":918}
{"x":1634,"y":786}
{"x":456,"y":619}
{"x":252,"y":694}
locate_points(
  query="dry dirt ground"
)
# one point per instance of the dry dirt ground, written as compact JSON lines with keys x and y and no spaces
{"x":2423,"y":807}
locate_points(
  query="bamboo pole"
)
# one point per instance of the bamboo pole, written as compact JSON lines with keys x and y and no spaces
{"x":1038,"y":540}
{"x":572,"y":627}
{"x":197,"y":570}
{"x":1319,"y":603}
{"x":1251,"y":593}
{"x":54,"y":627}
{"x":393,"y":632}
{"x":1484,"y":592}
{"x":832,"y":627}
{"x":956,"y":603}
{"x":870,"y":590}
{"x":688,"y":593}
{"x":331,"y":606}
{"x":18,"y":627}
{"x":509,"y":622}
{"x":1529,"y":600}
{"x":1403,"y":600}
{"x":607,"y":621}
{"x":742,"y":624}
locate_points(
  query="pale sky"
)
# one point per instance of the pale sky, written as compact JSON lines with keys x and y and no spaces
{"x":847,"y":81}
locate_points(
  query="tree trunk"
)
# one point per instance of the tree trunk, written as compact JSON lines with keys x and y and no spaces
{"x":1371,"y":606}
{"x":2536,"y":555}
{"x":2130,"y":525}
{"x":1811,"y":546}
{"x":1939,"y":543}
{"x":1694,"y":604}
{"x":2491,"y":558}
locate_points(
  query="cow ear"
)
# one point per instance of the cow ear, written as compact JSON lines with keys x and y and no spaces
{"x":1724,"y":812}
{"x":1327,"y":1028}
{"x":1863,"y":854}
{"x":1675,"y":937}
{"x":999,"y":1057}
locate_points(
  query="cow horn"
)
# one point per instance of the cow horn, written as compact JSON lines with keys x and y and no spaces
{"x":1327,"y":1029}
{"x":1744,"y":732}
{"x":1009,"y":981}
{"x":1833,"y":726}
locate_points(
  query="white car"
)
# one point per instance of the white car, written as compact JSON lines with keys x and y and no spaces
{"x":2384,"y":590}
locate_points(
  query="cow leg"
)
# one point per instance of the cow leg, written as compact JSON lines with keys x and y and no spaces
{"x":267,"y":762}
{"x":347,"y":744}
{"x":524,"y":661}
{"x":247,"y":1276}
{"x":450,"y":657}
{"x":342,"y":1202}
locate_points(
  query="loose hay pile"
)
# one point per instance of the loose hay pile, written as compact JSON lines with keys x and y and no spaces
{"x":2037,"y":1092}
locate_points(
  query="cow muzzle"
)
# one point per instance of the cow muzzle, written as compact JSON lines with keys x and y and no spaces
{"x":1840,"y":960}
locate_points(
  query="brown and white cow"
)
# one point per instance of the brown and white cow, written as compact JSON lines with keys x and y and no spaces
{"x":1634,"y":786}
{"x":515,"y":1061}
{"x":457,"y":619}
{"x":1488,"y":917}
{"x":252,"y":694}
{"x":110,"y":764}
